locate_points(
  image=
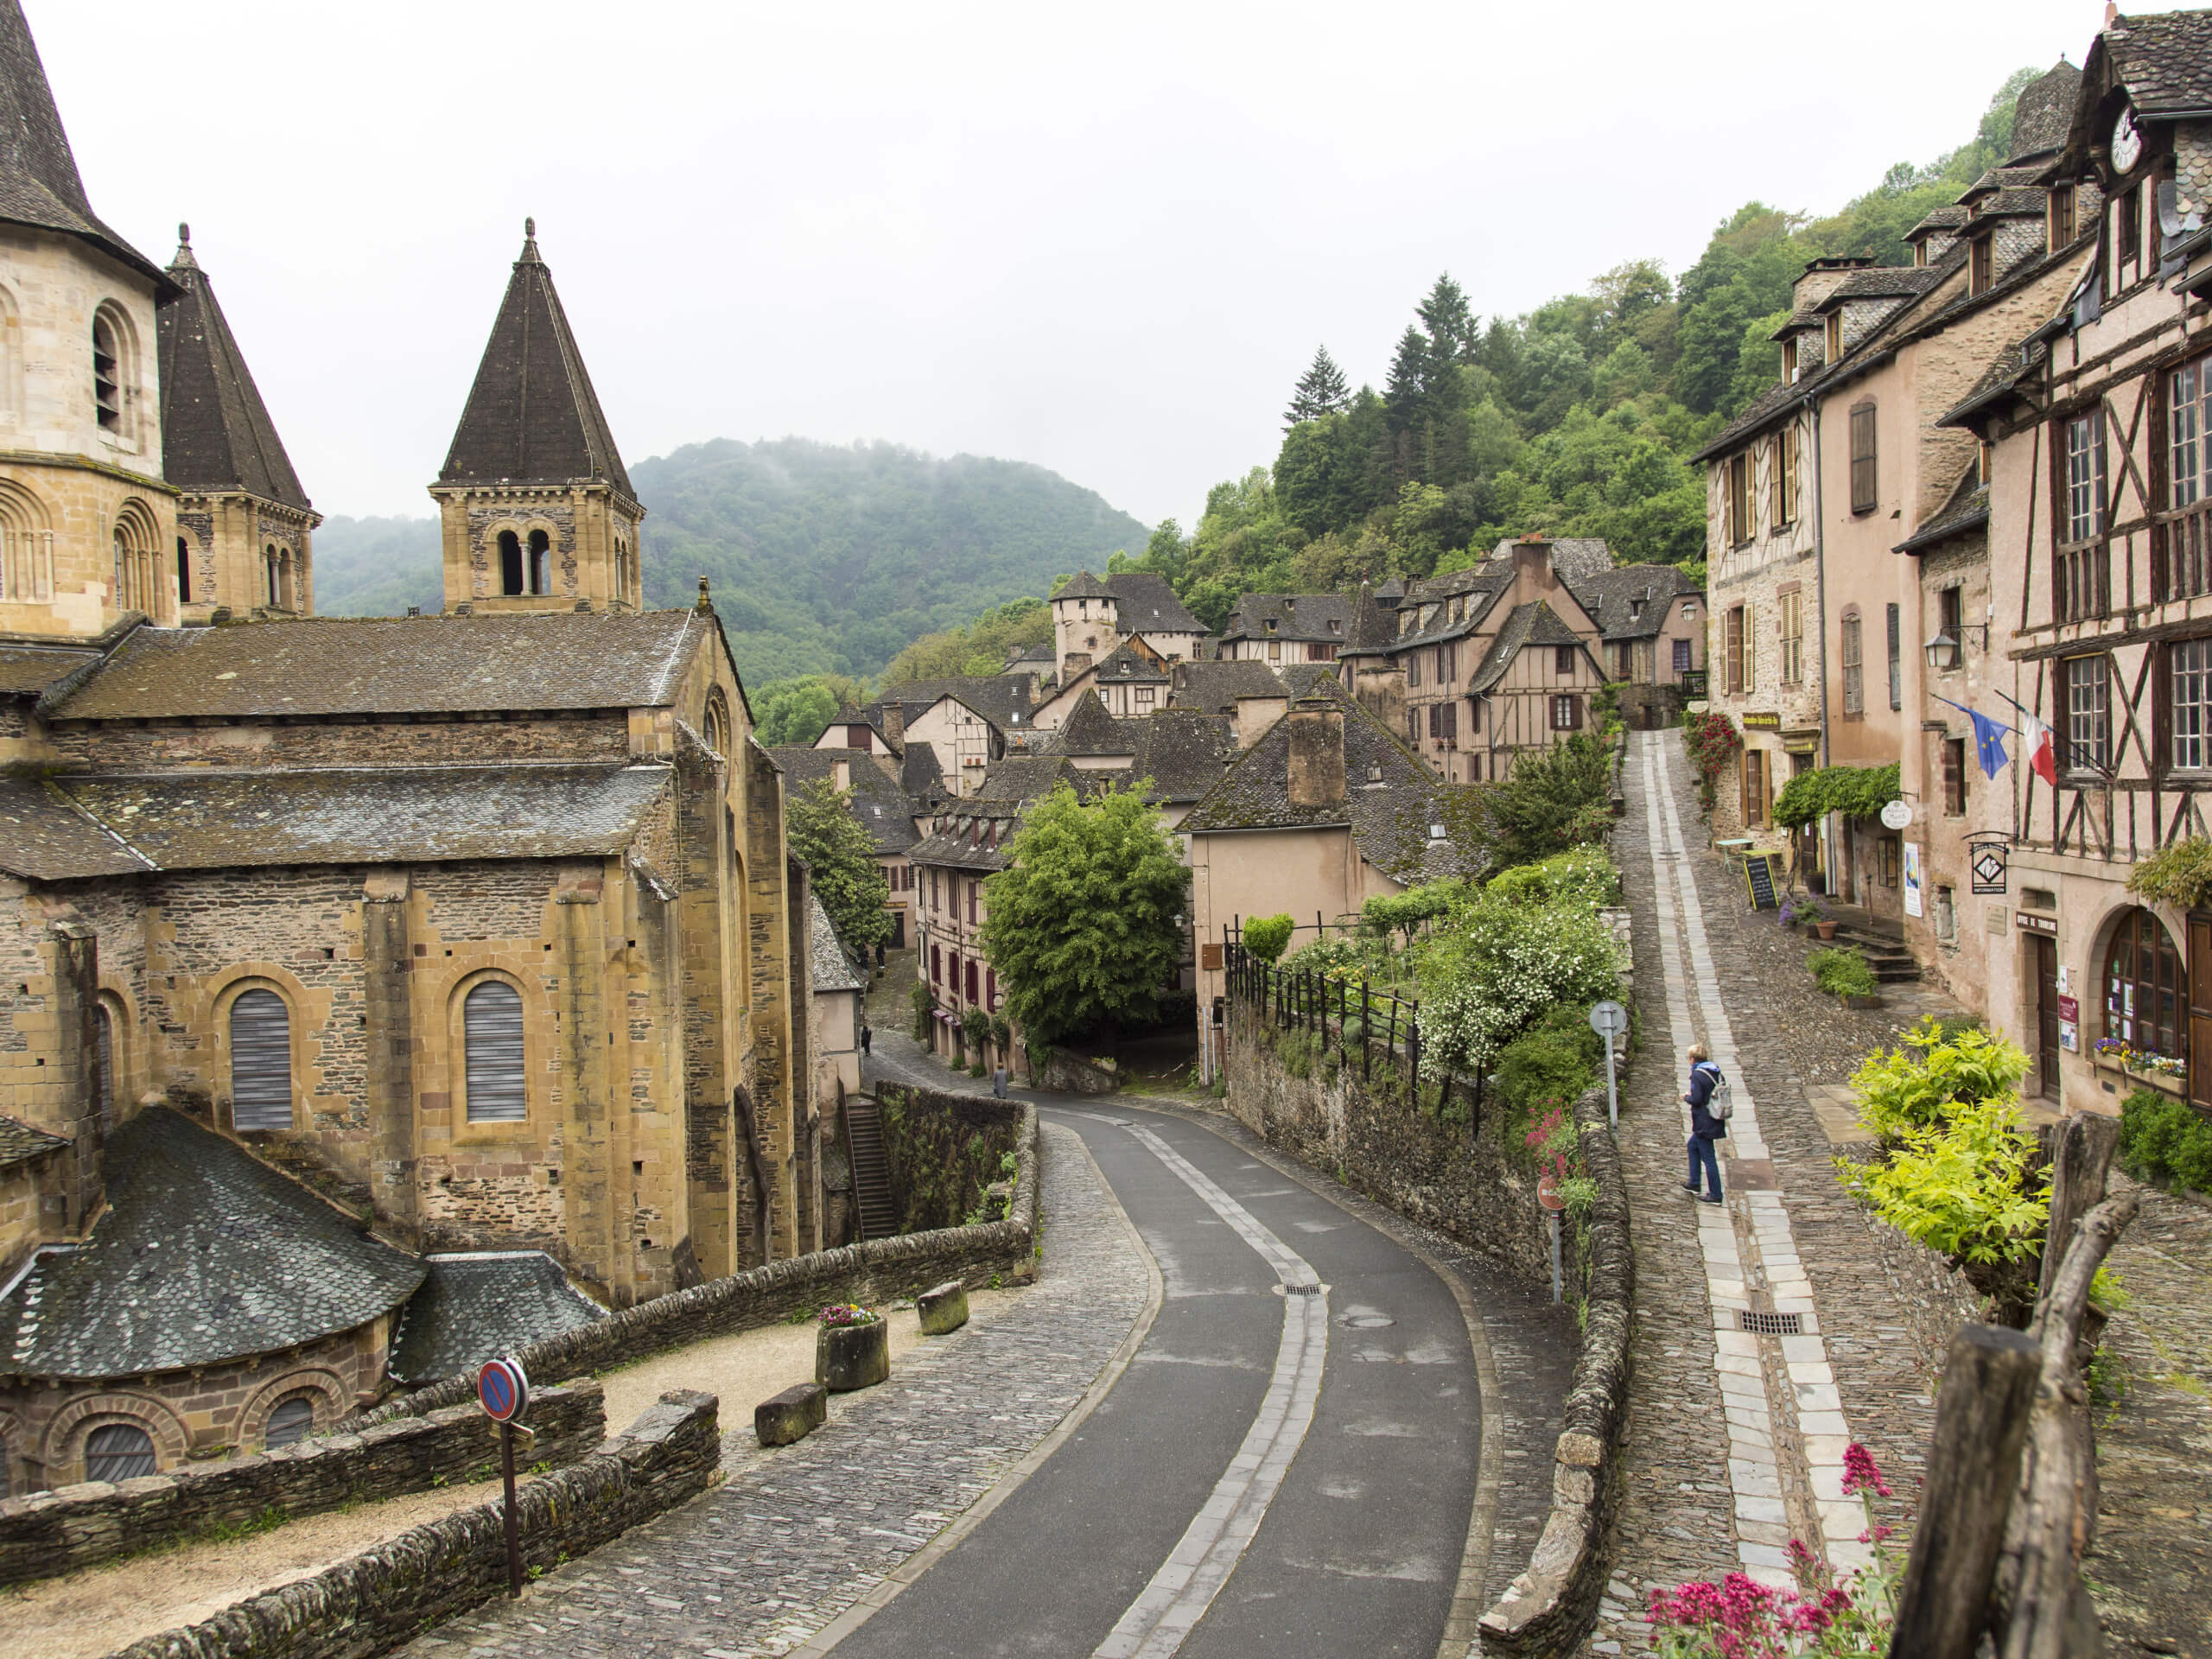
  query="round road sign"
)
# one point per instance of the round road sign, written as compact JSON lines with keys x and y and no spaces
{"x":1548,"y":1192}
{"x":1608,"y":1019}
{"x":503,"y":1390}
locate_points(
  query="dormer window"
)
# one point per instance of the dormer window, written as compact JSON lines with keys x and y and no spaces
{"x":1981,"y":264}
{"x":1271,"y":625}
{"x":2061,"y":214}
{"x":1919,"y":252}
{"x":1334,"y":626}
{"x":1835,"y":336}
{"x":1790,"y":361}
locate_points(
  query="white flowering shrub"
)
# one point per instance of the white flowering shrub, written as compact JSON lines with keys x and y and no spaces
{"x":1492,"y":969}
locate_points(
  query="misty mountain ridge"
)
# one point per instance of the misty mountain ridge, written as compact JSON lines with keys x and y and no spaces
{"x":823,"y":558}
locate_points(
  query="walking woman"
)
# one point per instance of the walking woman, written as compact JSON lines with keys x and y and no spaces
{"x":1704,"y":1127}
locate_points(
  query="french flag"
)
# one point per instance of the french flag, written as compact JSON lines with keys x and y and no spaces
{"x":2035,"y":742}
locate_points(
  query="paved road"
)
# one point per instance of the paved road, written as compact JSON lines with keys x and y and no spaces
{"x":1274,"y":1473}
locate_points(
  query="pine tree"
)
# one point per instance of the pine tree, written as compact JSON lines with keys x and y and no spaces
{"x":1451,"y":330}
{"x":1409,"y":377}
{"x":1321,"y":391}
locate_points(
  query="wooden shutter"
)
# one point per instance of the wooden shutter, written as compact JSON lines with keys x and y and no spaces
{"x":2200,"y":1010}
{"x":289,"y":1423}
{"x":1863,"y":477}
{"x":261,"y":1061}
{"x":491,"y":1037}
{"x":1573,"y":714}
{"x":1451,"y":722}
{"x":119,"y":1451}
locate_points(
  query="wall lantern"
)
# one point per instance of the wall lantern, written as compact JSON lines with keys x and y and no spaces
{"x":1948,"y":650}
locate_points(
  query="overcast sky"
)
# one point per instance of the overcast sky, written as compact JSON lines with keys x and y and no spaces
{"x":1103,"y":239}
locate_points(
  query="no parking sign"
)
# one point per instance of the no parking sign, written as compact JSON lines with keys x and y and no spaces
{"x":503,"y":1390}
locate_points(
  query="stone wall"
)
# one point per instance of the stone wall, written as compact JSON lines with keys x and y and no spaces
{"x":942,"y":1151}
{"x":47,"y":1534}
{"x":875,"y":1271}
{"x":375,"y":1601}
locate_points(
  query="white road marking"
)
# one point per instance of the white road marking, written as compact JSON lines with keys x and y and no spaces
{"x":1171,"y":1605}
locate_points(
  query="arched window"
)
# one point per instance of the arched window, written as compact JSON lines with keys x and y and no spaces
{"x":261,"y":1061}
{"x":126,"y":598}
{"x":107,"y":373}
{"x":511,"y":571}
{"x":291,"y":1422}
{"x":491,"y":1021}
{"x":118,"y":1451}
{"x":7,"y":1487}
{"x":2143,"y":986}
{"x":107,"y":1066}
{"x":541,"y":562}
{"x":183,"y":571}
{"x":276,"y":597}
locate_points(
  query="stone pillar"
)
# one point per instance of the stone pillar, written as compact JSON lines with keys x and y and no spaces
{"x":769,"y":944}
{"x":388,"y":1012}
{"x":592,"y":1198}
{"x":72,"y":1098}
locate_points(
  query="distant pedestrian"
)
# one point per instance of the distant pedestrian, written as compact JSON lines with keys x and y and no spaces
{"x":867,"y":1035}
{"x":998,"y":1081}
{"x":1704,"y":1127}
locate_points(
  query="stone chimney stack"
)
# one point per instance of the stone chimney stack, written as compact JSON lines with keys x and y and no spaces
{"x":1532,"y":560}
{"x":1255,"y":715}
{"x":1317,"y":754}
{"x":841,"y":773}
{"x":894,"y":728}
{"x":1820,"y":279}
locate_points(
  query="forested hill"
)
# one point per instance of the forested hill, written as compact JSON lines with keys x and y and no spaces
{"x":1577,"y":417}
{"x":824,"y":559}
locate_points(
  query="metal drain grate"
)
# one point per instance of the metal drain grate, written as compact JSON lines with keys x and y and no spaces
{"x":1770,"y":1324}
{"x":1302,"y":1290}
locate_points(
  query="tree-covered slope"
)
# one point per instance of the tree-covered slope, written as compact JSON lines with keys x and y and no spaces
{"x":823,"y":559}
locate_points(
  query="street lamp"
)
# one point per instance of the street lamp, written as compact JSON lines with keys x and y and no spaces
{"x":1943,"y":652}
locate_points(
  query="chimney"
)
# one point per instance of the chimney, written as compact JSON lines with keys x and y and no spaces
{"x":841,"y":773}
{"x":894,"y":728}
{"x":1532,"y":560}
{"x":1317,"y":754}
{"x":1820,"y":279}
{"x":1255,"y":715}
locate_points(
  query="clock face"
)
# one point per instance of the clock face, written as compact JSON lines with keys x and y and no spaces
{"x":2126,"y":143}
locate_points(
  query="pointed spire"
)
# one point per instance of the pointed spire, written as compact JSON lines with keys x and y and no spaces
{"x":39,"y":181}
{"x":532,"y":416}
{"x":216,"y":433}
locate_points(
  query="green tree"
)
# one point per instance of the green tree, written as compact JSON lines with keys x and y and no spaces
{"x":1265,"y":937}
{"x":819,"y":827}
{"x":793,"y":711}
{"x":1321,"y":391}
{"x":1553,"y":799}
{"x":1085,"y":927}
{"x":1451,"y":326}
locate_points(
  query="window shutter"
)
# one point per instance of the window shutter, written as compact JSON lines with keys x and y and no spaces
{"x":2162,"y":708}
{"x":1574,"y":714}
{"x":1435,"y":722}
{"x":1896,"y":660}
{"x":261,"y":1061}
{"x":289,"y":1423}
{"x":492,"y":1040}
{"x":121,"y":1451}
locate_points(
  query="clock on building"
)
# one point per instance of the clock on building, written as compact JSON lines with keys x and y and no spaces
{"x":2126,"y":143}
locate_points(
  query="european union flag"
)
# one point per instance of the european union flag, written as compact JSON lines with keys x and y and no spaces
{"x":1988,"y":737}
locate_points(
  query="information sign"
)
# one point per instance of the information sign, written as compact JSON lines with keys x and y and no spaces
{"x":1897,"y":815}
{"x":1763,"y":874}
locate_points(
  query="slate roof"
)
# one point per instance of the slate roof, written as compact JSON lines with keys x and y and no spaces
{"x":204,"y":1254}
{"x":472,"y":1308}
{"x":2165,"y":60}
{"x":39,"y":182}
{"x":21,"y":1143}
{"x":1613,"y":598}
{"x":27,"y":671}
{"x":1881,"y":282}
{"x":1575,"y":558}
{"x":1309,"y":679}
{"x":999,"y":698}
{"x":920,"y":773}
{"x":1967,"y":509}
{"x":1533,"y":624}
{"x":2045,"y":112}
{"x":881,"y":805}
{"x":1374,"y":628}
{"x":1083,"y":585}
{"x":1388,"y":814}
{"x":45,"y":837}
{"x":394,"y":665}
{"x":1144,"y":603}
{"x":1090,"y":729}
{"x":955,"y":844}
{"x":1998,"y":383}
{"x":1949,"y":217}
{"x":216,"y":433}
{"x":1212,"y":688}
{"x":367,"y":815}
{"x":1125,"y":664}
{"x":1183,"y":751}
{"x":532,"y":416}
{"x":1296,"y":616}
{"x":833,"y":969}
{"x":1023,"y":777}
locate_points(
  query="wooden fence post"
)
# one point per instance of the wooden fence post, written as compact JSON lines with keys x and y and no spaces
{"x":2081,"y":1160}
{"x":1973,"y":1466}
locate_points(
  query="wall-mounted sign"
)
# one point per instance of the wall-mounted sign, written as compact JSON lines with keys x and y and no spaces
{"x":1912,"y":906}
{"x":2070,"y":1008}
{"x":2029,"y":922}
{"x":1897,"y":815}
{"x":1756,"y":722}
{"x":2070,"y":1036}
{"x":1988,"y":867}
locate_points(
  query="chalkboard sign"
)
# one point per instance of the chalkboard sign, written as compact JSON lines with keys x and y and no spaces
{"x":1763,"y":874}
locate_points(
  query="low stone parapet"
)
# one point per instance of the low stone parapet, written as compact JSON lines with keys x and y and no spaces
{"x":378,"y":1600}
{"x":43,"y":1535}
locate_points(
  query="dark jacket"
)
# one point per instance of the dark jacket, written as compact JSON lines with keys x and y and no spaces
{"x":1704,"y":1076}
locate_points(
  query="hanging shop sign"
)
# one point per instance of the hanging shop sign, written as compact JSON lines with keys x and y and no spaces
{"x":1987,"y":867}
{"x":1897,"y":815}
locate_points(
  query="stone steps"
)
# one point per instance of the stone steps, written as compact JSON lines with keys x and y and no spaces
{"x":871,"y":1172}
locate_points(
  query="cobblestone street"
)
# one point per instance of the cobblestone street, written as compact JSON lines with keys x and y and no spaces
{"x":794,"y":1536}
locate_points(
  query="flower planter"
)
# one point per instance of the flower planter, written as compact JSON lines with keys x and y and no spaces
{"x":1826,"y":930}
{"x":849,"y":1356}
{"x":2127,"y":1078}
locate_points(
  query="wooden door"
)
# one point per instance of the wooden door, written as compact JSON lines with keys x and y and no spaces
{"x":2044,"y":953}
{"x":2198,"y":974}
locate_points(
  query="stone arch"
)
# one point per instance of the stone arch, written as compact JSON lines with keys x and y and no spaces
{"x":64,"y":1453}
{"x":715,"y":722}
{"x":457,"y":995}
{"x":117,"y":406}
{"x":2139,"y":977}
{"x":26,"y":545}
{"x":262,"y":977}
{"x":332,"y":1401}
{"x":118,"y":1059}
{"x":140,"y":579}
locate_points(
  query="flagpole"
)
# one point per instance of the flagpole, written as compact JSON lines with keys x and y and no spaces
{"x":2073,"y":749}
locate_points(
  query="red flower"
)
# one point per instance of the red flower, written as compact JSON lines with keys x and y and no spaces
{"x":1859,"y":1473}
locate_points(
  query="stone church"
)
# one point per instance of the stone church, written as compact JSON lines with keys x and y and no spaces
{"x":473,"y":930}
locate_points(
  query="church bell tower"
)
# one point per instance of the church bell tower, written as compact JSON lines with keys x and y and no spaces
{"x":537,"y":511}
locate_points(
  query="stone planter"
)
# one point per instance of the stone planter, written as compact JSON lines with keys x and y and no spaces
{"x":849,"y":1356}
{"x":1826,"y":930}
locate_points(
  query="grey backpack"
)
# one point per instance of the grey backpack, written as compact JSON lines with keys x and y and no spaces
{"x":1720,"y":1104}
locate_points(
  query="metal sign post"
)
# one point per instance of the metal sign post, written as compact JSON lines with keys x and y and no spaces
{"x":1610,"y":1019}
{"x":504,"y":1392}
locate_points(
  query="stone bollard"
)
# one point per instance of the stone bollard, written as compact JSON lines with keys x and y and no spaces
{"x":943,"y":1308}
{"x":792,"y":1415}
{"x":849,"y":1356}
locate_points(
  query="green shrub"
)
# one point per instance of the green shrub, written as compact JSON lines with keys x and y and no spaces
{"x":1963,"y":1186}
{"x":1265,"y":937}
{"x":1404,"y":912}
{"x":1547,"y":1067}
{"x":2181,"y":875}
{"x":1583,"y":876}
{"x":1934,"y":1070}
{"x":976,"y":1026}
{"x":1855,"y":791}
{"x":1842,"y":971}
{"x":925,"y":1004}
{"x":2164,"y":1140}
{"x":1335,"y":956}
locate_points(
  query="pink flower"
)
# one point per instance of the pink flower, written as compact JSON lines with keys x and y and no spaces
{"x":1859,"y":1473}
